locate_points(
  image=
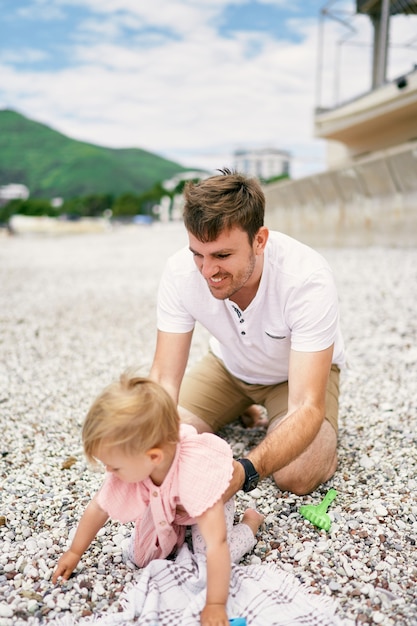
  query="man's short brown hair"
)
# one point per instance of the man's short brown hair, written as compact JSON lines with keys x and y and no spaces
{"x":223,"y":202}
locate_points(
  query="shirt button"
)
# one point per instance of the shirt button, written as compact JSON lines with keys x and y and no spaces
{"x":162,"y":523}
{"x":243,"y":332}
{"x":241,"y":321}
{"x":155,"y":494}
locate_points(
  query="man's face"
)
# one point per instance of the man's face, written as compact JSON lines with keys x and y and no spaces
{"x":229,"y":263}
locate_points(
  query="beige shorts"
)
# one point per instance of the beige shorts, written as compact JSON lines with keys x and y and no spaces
{"x":218,"y":398}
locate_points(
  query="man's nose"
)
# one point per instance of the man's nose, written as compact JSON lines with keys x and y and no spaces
{"x":209,"y":268}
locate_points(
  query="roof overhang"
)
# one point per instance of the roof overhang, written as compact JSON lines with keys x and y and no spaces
{"x":381,"y":118}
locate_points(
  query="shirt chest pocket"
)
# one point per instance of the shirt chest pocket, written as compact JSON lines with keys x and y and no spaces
{"x":276,"y":340}
{"x":279,"y":335}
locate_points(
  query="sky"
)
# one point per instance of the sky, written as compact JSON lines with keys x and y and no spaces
{"x":190,"y":80}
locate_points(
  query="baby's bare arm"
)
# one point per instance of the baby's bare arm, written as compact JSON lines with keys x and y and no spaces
{"x":90,"y":523}
{"x":212,"y":525}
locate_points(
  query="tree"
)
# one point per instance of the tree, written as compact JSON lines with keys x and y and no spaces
{"x":31,"y":206}
{"x":127,"y":204}
{"x":88,"y":206}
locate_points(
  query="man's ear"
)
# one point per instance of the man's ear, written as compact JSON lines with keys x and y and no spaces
{"x":156,"y":455}
{"x":260,"y":240}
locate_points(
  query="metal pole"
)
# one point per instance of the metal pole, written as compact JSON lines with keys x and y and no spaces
{"x":319,"y":67}
{"x":382,"y":42}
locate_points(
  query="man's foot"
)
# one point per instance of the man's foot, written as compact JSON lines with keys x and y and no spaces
{"x":253,"y":519}
{"x":254,"y":417}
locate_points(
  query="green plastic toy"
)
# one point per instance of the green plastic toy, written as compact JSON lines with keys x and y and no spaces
{"x":316,"y":513}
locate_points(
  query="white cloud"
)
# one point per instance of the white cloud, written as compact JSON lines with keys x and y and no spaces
{"x":181,"y":16}
{"x":41,"y":10}
{"x":188,"y":97}
{"x":23,"y":55}
{"x":194,"y":97}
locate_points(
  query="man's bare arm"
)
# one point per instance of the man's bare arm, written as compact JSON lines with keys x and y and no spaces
{"x":170,"y":360}
{"x":307,"y":382}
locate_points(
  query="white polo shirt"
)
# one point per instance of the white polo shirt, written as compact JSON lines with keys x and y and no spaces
{"x":296,"y":307}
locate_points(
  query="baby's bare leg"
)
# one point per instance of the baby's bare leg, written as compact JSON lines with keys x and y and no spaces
{"x":253,"y":519}
{"x":242,"y":536}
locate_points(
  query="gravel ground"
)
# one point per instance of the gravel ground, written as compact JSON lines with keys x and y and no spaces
{"x":76,"y":310}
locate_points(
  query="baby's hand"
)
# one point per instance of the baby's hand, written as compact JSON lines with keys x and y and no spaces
{"x":214,"y":615}
{"x":66,"y":565}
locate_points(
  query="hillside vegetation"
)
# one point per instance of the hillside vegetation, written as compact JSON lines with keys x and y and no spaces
{"x":53,"y":165}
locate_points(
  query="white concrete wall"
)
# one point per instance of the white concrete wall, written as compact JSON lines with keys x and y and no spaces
{"x":372,"y":202}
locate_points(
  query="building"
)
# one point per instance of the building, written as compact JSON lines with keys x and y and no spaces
{"x":13,"y":192}
{"x":366,"y":111}
{"x":385,"y":116}
{"x":264,"y":163}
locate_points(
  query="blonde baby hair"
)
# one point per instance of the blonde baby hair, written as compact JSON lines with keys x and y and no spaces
{"x":134,"y":414}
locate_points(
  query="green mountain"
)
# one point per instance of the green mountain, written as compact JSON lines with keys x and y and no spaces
{"x":53,"y":165}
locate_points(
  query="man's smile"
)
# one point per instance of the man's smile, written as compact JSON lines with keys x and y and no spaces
{"x":216,"y":281}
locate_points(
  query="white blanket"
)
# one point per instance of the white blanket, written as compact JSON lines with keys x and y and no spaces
{"x":172,"y":593}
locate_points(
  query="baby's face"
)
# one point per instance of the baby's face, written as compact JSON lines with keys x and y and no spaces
{"x":131,"y":468}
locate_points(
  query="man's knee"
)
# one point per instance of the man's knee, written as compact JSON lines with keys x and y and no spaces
{"x":314,"y":466}
{"x":301,"y":480}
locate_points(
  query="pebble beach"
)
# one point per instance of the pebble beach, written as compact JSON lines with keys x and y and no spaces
{"x":76,"y":310}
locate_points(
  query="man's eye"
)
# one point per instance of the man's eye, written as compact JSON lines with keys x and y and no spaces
{"x":223,"y":256}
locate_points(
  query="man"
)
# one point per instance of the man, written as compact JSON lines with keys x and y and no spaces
{"x":271,"y":306}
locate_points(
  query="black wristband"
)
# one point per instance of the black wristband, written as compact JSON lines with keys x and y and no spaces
{"x":251,"y":475}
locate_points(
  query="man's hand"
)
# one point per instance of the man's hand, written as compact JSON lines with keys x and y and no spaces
{"x":214,"y":615}
{"x":66,"y":565}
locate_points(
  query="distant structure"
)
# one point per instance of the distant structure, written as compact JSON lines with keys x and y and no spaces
{"x":171,"y":207}
{"x":264,"y":163}
{"x":368,"y":118}
{"x":383,"y":117}
{"x":13,"y":192}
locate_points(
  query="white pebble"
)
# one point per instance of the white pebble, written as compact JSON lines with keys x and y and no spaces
{"x":62,"y":603}
{"x":366,"y":462}
{"x":32,"y":606}
{"x":256,"y":493}
{"x":6,"y":610}
{"x":380,"y":510}
{"x":31,"y":546}
{"x":99,"y":589}
{"x":30,"y":571}
{"x":9,"y":567}
{"x":118,"y":538}
{"x":303,"y":555}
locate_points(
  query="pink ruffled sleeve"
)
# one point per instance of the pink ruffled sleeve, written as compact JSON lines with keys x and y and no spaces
{"x":204,"y":472}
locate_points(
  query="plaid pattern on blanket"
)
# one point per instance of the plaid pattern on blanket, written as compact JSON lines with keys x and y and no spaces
{"x":172,"y":593}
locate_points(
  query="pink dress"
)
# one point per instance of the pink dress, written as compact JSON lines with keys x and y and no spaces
{"x":198,"y":477}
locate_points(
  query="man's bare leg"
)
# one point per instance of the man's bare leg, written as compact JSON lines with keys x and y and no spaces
{"x":313,"y":467}
{"x":253,"y":417}
{"x":189,"y":418}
